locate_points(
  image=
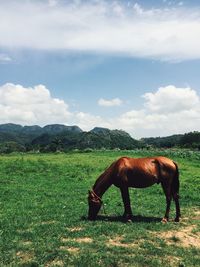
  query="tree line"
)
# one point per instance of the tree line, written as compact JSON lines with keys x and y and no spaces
{"x":52,"y":138}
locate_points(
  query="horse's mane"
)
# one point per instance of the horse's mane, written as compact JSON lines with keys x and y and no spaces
{"x":107,"y":173}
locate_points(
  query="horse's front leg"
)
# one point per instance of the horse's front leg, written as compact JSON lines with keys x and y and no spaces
{"x":127,"y":206}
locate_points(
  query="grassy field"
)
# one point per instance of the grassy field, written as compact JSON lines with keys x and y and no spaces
{"x":43,"y":214}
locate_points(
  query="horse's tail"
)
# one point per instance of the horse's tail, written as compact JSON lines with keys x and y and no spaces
{"x":175,"y":182}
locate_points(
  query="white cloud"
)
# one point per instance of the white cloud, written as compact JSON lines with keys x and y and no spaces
{"x":52,"y":3}
{"x":87,"y":121}
{"x":171,"y":99}
{"x":31,"y":106}
{"x":5,"y":58}
{"x":110,"y":103}
{"x":167,"y":111}
{"x":35,"y":105}
{"x":103,"y":27}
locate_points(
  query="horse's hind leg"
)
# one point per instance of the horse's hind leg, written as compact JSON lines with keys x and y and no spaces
{"x":167,"y":190}
{"x":127,"y":206}
{"x":176,"y":200}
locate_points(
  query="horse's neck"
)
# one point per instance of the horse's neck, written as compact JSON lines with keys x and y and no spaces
{"x":102,"y":184}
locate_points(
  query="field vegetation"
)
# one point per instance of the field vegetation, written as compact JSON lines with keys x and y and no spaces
{"x":43,"y":213}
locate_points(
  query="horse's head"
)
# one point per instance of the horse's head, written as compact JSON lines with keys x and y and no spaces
{"x":94,"y":203}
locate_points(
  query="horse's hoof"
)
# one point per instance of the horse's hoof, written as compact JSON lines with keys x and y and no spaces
{"x":164,"y":220}
{"x":177,"y":219}
{"x":127,"y":219}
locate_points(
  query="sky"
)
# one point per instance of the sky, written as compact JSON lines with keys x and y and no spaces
{"x":130,"y":65}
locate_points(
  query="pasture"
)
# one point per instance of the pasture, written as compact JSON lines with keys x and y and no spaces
{"x":43,"y":214}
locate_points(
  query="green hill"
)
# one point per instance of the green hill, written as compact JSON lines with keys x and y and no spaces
{"x":94,"y":139}
{"x":61,"y":137}
{"x":187,"y":140}
{"x":58,"y":137}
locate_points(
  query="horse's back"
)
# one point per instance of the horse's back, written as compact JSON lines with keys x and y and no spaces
{"x":136,"y":172}
{"x":165,"y":161}
{"x":143,"y":172}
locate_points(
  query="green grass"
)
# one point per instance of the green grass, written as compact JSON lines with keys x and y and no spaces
{"x":43,"y":210}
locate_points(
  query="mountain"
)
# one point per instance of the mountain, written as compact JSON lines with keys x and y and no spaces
{"x":61,"y":137}
{"x":35,"y":129}
{"x":187,"y":140}
{"x":58,"y":137}
{"x":8,"y":137}
{"x":106,"y":131}
{"x":10,"y":127}
{"x":25,"y":134}
{"x":100,"y":130}
{"x":16,"y":133}
{"x":167,"y":142}
{"x":58,"y":128}
{"x":94,"y":139}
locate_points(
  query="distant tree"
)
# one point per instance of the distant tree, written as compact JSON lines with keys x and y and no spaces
{"x":9,"y":147}
{"x":162,"y":142}
{"x":191,"y":140}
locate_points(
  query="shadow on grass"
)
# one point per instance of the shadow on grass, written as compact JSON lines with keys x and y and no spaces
{"x":135,"y":219}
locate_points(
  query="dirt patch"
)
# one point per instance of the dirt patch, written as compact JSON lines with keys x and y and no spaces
{"x":22,"y":231}
{"x":70,"y":249}
{"x":78,"y":240}
{"x":84,"y":240}
{"x":118,"y":242}
{"x":26,"y":243}
{"x":55,"y":262}
{"x":171,"y":260}
{"x":197,"y":215}
{"x":74,"y":229}
{"x":193,"y":215}
{"x":25,"y":256}
{"x":183,"y":237}
{"x":48,"y":222}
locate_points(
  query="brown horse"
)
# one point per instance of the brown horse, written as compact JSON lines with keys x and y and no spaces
{"x":138,"y":173}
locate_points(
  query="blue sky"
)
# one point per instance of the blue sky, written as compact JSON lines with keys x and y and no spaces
{"x":131,"y":65}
